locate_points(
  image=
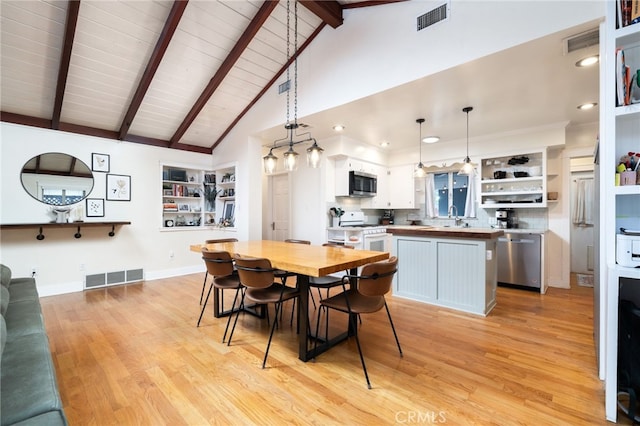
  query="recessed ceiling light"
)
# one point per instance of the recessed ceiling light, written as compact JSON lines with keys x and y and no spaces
{"x":587,"y":105}
{"x":338,"y":127}
{"x":588,"y":61}
{"x":431,"y":139}
{"x":384,"y":144}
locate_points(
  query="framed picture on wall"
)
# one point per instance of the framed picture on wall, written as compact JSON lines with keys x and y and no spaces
{"x":95,"y":207}
{"x":100,"y":162}
{"x":118,"y":188}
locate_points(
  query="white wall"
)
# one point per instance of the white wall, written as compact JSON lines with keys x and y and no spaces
{"x":59,"y":256}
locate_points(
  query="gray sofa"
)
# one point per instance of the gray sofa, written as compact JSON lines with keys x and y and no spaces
{"x":28,"y":387}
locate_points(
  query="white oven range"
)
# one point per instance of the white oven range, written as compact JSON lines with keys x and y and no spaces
{"x":353,"y":231}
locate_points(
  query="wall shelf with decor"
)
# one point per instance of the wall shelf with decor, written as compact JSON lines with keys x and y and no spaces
{"x":187,"y":197}
{"x":515,"y":180}
{"x":77,"y":226}
{"x":619,"y":188}
{"x":226,"y":199}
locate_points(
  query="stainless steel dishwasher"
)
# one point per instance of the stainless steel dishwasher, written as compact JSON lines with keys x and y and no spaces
{"x":519,"y":258}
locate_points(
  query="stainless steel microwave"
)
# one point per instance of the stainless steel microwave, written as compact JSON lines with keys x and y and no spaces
{"x":362,"y":184}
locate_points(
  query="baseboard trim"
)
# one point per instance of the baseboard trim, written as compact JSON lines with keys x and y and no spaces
{"x":78,"y":286}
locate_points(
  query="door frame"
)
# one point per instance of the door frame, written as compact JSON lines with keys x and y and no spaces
{"x":268,"y":232}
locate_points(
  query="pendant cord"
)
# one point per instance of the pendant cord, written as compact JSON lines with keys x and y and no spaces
{"x":288,"y":57}
{"x":295,"y":63}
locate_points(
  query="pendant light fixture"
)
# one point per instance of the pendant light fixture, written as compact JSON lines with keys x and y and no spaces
{"x":314,"y":153}
{"x":467,"y":168}
{"x":420,"y":167}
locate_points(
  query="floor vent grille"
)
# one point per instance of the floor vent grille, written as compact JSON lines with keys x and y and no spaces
{"x":439,"y":14}
{"x":113,"y":278}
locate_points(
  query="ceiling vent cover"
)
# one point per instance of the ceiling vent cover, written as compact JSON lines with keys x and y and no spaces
{"x":582,"y":41}
{"x":284,"y":87}
{"x":439,"y":14}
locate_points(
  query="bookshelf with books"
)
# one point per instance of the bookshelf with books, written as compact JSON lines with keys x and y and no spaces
{"x":619,"y":170}
{"x":187,"y":197}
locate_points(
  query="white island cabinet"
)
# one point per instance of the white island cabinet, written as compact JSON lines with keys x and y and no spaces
{"x":451,"y":267}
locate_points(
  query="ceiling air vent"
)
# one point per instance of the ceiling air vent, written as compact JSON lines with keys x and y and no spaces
{"x":439,"y":14}
{"x":581,"y":41}
{"x":284,"y":87}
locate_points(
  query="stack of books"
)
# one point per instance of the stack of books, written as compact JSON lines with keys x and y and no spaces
{"x":628,"y":12}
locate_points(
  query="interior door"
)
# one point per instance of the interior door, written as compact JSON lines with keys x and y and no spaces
{"x":280,"y":207}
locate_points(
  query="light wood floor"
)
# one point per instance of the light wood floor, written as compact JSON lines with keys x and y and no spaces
{"x":133,"y":355}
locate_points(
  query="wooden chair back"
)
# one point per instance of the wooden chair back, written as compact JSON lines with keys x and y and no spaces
{"x":254,"y":272}
{"x":218,"y":263}
{"x":375,"y":278}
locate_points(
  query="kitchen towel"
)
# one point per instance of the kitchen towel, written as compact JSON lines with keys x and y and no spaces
{"x":583,"y":211}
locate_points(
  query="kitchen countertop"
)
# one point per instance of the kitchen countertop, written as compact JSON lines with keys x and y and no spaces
{"x":457,"y":232}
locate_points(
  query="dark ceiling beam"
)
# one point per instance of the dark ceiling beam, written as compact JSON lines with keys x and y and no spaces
{"x":244,"y":40}
{"x":166,"y":144}
{"x":270,"y":83}
{"x":329,"y":11}
{"x":65,"y":59}
{"x":368,"y":3}
{"x":166,"y":35}
{"x":25,"y":120}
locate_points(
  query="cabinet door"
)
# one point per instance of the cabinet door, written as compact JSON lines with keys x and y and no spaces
{"x":381,"y":200}
{"x":402,"y":191}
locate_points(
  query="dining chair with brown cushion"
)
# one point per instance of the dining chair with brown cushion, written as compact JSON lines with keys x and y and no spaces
{"x":257,"y":276}
{"x":224,"y":277}
{"x":206,"y":273}
{"x":367,"y":297}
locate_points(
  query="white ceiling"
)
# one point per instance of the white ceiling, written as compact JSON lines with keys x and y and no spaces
{"x":114,"y":42}
{"x":531,"y":85}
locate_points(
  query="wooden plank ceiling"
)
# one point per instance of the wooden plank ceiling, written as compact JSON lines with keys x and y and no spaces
{"x":176,"y":74}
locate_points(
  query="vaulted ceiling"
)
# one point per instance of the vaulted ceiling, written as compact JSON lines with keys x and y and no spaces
{"x":176,"y":74}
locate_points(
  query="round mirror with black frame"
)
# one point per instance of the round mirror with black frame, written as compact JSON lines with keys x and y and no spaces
{"x":57,"y":179}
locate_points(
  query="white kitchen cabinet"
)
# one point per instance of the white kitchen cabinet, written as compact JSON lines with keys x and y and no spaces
{"x":514,"y":180}
{"x":344,"y":165}
{"x":381,"y":200}
{"x":402,"y":188}
{"x":620,"y":205}
{"x":429,"y":271}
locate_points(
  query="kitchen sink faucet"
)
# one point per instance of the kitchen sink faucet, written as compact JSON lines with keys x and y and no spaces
{"x":457,"y":220}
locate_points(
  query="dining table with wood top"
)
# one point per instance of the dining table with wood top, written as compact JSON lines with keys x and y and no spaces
{"x":305,"y":261}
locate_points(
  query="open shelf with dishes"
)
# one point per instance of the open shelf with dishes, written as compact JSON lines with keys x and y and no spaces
{"x":514,"y":180}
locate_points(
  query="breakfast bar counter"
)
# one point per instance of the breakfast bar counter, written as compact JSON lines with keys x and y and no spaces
{"x":451,"y":267}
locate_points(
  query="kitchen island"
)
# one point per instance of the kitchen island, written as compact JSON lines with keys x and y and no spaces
{"x":451,"y":267}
